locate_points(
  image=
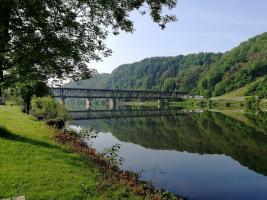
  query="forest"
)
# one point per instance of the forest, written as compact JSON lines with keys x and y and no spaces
{"x":208,"y":74}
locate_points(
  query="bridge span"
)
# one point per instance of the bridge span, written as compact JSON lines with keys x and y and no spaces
{"x":112,"y":95}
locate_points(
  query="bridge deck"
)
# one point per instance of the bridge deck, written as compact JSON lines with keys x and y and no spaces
{"x":104,"y":93}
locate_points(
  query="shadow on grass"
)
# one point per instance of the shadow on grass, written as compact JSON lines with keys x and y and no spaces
{"x":6,"y":134}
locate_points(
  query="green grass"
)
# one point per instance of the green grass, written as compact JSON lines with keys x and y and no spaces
{"x":238,"y":94}
{"x":34,"y":165}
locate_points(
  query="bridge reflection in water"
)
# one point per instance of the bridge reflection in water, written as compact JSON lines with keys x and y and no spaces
{"x":223,"y":155}
{"x":107,"y":114}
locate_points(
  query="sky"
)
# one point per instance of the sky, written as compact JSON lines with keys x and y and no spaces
{"x":202,"y":26}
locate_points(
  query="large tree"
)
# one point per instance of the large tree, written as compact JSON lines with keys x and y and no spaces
{"x":43,"y":39}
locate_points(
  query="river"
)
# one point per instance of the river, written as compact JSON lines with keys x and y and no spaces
{"x":200,"y":155}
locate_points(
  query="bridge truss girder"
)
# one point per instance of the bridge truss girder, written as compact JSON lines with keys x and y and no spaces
{"x":119,"y":94}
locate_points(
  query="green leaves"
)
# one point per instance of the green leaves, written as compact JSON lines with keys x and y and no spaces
{"x":56,"y":39}
{"x":237,"y":67}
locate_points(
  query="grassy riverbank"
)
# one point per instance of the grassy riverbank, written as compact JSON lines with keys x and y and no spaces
{"x":34,"y":165}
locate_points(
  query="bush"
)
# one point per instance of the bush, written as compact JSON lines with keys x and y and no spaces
{"x":56,"y":123}
{"x":26,"y":91}
{"x":46,"y":108}
{"x":251,"y":103}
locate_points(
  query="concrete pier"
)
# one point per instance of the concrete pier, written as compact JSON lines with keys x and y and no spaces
{"x":160,"y":103}
{"x":87,"y":104}
{"x":112,"y":104}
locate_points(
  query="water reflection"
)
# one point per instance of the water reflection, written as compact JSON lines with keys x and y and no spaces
{"x":200,"y":155}
{"x":125,"y":113}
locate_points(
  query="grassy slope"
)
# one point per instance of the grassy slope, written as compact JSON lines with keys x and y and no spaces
{"x":237,"y":94}
{"x":32,"y":164}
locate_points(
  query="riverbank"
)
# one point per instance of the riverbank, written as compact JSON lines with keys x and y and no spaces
{"x":33,"y":164}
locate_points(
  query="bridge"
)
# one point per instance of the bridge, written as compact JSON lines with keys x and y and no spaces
{"x":112,"y":95}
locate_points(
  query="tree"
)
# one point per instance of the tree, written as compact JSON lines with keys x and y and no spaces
{"x":169,"y":84}
{"x":29,"y":89}
{"x":44,"y":39}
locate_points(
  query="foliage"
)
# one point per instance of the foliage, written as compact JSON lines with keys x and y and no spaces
{"x":45,"y":39}
{"x":56,"y":123}
{"x":180,"y":73}
{"x":111,"y":154}
{"x":251,"y":103}
{"x":27,"y":90}
{"x":47,"y":108}
{"x":236,"y":68}
{"x":34,"y":165}
{"x":205,"y":74}
{"x":259,"y":89}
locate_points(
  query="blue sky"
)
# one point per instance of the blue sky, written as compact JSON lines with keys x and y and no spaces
{"x":202,"y":26}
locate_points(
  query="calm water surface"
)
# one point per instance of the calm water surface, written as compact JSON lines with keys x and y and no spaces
{"x":203,"y":155}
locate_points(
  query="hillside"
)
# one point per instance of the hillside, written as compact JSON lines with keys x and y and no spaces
{"x":240,"y":93}
{"x":180,"y":73}
{"x":236,"y":68}
{"x":208,"y":74}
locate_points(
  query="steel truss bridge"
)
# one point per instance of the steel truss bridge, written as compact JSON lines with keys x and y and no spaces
{"x":113,"y":94}
{"x":109,"y":114}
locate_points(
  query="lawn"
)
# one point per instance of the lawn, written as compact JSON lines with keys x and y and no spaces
{"x":34,"y":165}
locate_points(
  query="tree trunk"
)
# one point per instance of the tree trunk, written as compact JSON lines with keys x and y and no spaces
{"x":1,"y":77}
{"x":5,"y":12}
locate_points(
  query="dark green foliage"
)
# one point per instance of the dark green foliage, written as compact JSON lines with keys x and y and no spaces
{"x":47,"y":108}
{"x":180,"y":73}
{"x":205,"y":74}
{"x":29,"y":89}
{"x":251,"y":103}
{"x":98,"y":81}
{"x":56,"y":123}
{"x":162,"y":73}
{"x":259,"y":89}
{"x":42,"y":39}
{"x":236,"y":68}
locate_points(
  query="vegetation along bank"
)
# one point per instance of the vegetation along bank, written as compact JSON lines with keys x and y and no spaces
{"x":40,"y":162}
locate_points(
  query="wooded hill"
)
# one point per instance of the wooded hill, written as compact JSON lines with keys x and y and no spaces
{"x":208,"y":74}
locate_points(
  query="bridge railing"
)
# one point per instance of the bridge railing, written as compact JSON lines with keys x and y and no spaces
{"x":103,"y":93}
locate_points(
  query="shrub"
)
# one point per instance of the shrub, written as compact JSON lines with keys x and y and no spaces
{"x":46,"y":108}
{"x":56,"y":123}
{"x":26,"y":91}
{"x":252,"y":103}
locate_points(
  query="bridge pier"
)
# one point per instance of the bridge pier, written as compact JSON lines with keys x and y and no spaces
{"x":160,"y":103}
{"x":112,"y":103}
{"x":87,"y":104}
{"x":62,"y":102}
